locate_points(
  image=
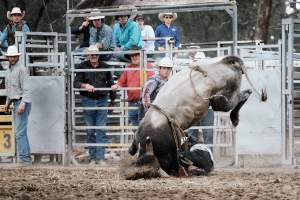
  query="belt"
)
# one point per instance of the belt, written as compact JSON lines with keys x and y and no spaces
{"x":14,"y":100}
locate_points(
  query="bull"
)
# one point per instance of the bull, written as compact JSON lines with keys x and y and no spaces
{"x":183,"y":100}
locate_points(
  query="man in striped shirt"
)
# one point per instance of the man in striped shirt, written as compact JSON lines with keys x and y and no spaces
{"x":153,"y":84}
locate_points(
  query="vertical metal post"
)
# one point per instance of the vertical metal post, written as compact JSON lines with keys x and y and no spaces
{"x":290,"y":67}
{"x":69,"y":90}
{"x":234,"y":30}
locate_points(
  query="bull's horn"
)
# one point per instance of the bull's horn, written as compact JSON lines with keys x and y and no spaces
{"x":162,"y":173}
{"x":264,"y":95}
{"x":149,"y":146}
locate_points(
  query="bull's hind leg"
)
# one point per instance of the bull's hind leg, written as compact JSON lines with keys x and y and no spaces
{"x":234,"y":114}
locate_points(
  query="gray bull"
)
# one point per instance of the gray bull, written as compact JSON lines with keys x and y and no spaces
{"x":185,"y":99}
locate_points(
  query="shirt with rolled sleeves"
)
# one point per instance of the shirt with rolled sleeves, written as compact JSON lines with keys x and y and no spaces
{"x":16,"y":83}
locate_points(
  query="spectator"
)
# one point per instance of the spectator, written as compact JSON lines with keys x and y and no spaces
{"x":167,"y":29}
{"x":147,"y":33}
{"x":101,"y":36}
{"x":85,"y":29}
{"x":16,"y":23}
{"x":126,"y":35}
{"x":132,"y":78}
{"x":153,"y":84}
{"x":95,"y":98}
{"x":17,"y":92}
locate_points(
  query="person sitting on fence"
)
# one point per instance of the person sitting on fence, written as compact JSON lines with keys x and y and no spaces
{"x":133,"y":78}
{"x":16,"y":23}
{"x":18,"y":93}
{"x":153,"y":84}
{"x":147,"y":33}
{"x":92,"y":97}
{"x":127,"y":34}
{"x":167,"y":29}
{"x":85,"y":29}
{"x":101,"y":35}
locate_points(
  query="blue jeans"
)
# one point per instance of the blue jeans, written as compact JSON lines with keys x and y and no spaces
{"x":95,"y":118}
{"x":207,"y":120}
{"x":20,"y":129}
{"x":133,"y":115}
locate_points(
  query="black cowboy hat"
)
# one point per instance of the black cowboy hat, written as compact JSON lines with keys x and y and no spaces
{"x":133,"y":48}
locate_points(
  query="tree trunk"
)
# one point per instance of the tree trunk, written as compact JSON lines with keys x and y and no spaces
{"x":262,"y":24}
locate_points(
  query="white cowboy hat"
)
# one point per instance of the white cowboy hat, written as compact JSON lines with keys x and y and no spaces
{"x":92,"y":49}
{"x":165,"y":62}
{"x":15,"y":10}
{"x":161,"y":16}
{"x":12,"y":51}
{"x":96,"y":17}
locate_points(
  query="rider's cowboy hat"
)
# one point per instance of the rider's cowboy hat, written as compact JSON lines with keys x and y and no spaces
{"x":162,"y":15}
{"x":15,"y":10}
{"x":165,"y":62}
{"x":12,"y":51}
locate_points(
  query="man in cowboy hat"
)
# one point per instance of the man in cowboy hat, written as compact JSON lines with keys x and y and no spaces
{"x":101,"y":36}
{"x":133,"y":78}
{"x":17,"y":92}
{"x":16,"y":23}
{"x":91,"y":97}
{"x":167,"y":29}
{"x":153,"y":84}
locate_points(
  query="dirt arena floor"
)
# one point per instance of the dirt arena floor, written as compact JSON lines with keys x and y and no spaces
{"x":105,"y":183}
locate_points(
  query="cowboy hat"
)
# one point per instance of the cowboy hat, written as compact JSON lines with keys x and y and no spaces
{"x":12,"y":51}
{"x":92,"y":49}
{"x":162,"y":15}
{"x":96,"y":17}
{"x":133,"y":48}
{"x":165,"y":62}
{"x":15,"y":10}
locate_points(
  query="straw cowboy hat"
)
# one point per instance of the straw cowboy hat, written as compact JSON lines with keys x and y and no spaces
{"x":92,"y":49}
{"x":15,"y":10}
{"x":165,"y":62}
{"x":96,"y":17}
{"x":12,"y":51}
{"x":162,"y":15}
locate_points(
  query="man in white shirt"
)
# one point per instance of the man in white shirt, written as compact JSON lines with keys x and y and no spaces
{"x":148,"y":34}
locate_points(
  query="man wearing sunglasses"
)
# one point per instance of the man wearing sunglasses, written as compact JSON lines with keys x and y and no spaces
{"x":16,"y":23}
{"x":92,"y":97}
{"x":167,"y":29}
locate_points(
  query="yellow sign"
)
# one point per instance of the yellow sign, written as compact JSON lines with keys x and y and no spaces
{"x":7,"y":137}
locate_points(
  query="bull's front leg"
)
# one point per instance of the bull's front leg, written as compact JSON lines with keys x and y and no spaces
{"x":234,"y":114}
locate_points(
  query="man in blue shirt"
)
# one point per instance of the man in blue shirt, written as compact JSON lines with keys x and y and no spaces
{"x":16,"y":23}
{"x":167,"y":29}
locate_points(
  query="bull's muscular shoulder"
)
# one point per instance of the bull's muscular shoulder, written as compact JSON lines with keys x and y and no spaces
{"x":233,"y":61}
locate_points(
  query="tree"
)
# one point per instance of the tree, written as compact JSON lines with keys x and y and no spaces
{"x":262,"y":23}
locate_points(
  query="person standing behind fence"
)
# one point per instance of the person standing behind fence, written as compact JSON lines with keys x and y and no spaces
{"x":147,"y":33}
{"x":167,"y":29}
{"x":85,"y":29}
{"x":101,"y":36}
{"x":16,"y":23}
{"x":127,"y":34}
{"x":132,"y":78}
{"x":17,"y":92}
{"x":95,"y":98}
{"x":153,"y":84}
